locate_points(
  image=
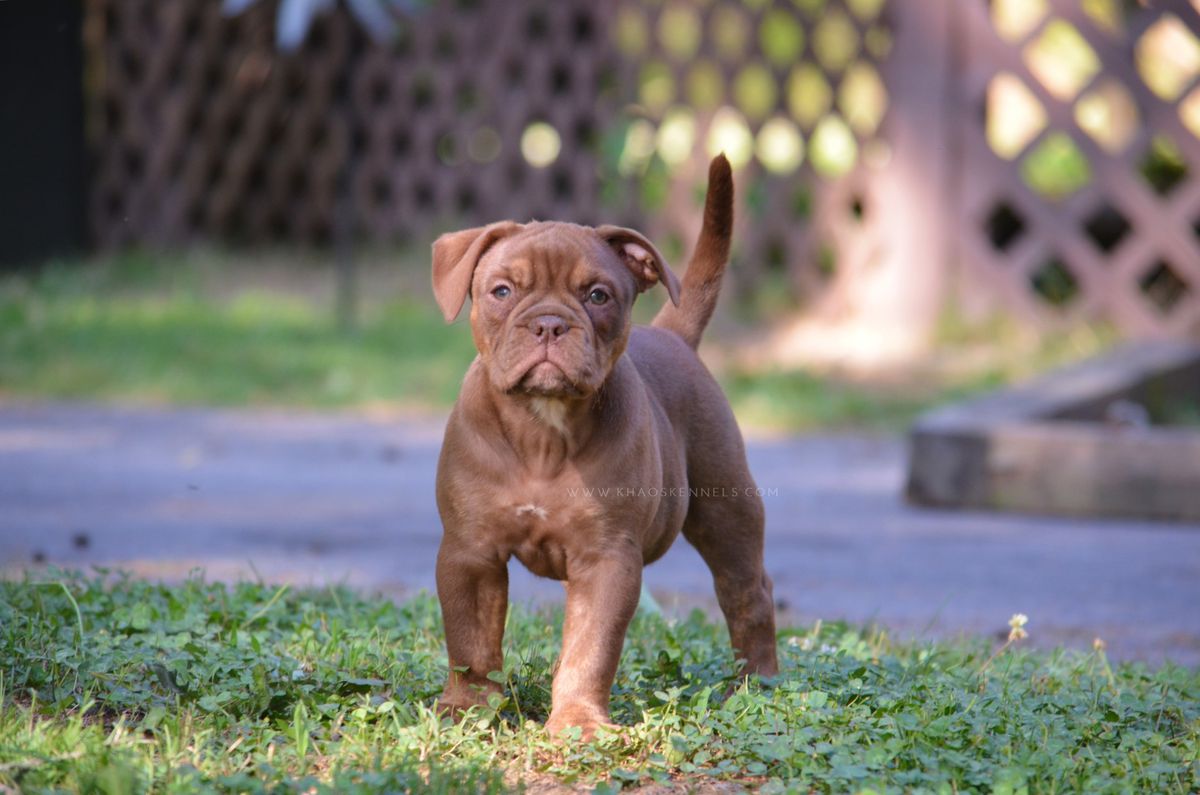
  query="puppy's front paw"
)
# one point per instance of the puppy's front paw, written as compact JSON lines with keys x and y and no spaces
{"x":587,"y":718}
{"x":455,"y":702}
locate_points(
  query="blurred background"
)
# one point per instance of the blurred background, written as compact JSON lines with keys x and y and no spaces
{"x":231,"y":201}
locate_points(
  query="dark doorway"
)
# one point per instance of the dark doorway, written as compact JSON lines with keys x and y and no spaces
{"x":42,"y":163}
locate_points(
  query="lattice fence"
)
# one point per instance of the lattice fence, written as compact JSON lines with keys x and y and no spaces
{"x":1078,"y":185}
{"x":861,"y":150}
{"x":794,"y":94}
{"x":199,"y":128}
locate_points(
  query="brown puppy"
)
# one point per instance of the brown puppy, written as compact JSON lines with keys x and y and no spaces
{"x":583,"y":446}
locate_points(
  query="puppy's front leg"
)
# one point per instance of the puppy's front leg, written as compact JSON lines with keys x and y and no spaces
{"x":602,"y":595}
{"x":473,"y":590}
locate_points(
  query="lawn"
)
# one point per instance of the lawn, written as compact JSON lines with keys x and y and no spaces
{"x":197,"y":330}
{"x":219,"y":329}
{"x":117,"y":685}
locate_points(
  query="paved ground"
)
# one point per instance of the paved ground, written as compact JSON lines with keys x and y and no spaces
{"x":317,"y":498}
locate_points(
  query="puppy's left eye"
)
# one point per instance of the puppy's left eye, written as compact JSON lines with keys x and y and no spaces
{"x":502,"y":291}
{"x":598,"y":296}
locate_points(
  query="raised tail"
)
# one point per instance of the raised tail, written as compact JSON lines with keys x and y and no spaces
{"x":702,"y":279}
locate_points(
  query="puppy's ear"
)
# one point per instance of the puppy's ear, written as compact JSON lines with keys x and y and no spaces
{"x":642,"y":259}
{"x":455,"y":256}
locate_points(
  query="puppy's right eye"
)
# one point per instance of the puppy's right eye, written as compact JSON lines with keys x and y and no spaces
{"x":502,"y":291}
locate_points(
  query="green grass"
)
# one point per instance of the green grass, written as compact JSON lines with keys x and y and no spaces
{"x":99,"y":333}
{"x":795,"y":400}
{"x":210,"y":330}
{"x":968,"y":359}
{"x":132,"y":687}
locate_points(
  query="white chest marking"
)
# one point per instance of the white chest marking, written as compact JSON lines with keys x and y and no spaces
{"x":531,"y":509}
{"x":552,"y":412}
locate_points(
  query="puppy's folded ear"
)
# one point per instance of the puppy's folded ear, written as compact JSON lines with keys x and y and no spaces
{"x":455,"y":256}
{"x":642,"y":259}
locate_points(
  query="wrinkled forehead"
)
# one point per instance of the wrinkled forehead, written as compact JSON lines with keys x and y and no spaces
{"x":548,"y":251}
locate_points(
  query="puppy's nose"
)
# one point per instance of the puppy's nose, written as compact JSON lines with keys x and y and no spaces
{"x":548,"y":327}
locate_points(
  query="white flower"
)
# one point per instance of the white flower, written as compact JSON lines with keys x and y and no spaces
{"x":1017,"y":627}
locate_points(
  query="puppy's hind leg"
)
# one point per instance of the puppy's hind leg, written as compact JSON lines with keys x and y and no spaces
{"x":727,"y":531}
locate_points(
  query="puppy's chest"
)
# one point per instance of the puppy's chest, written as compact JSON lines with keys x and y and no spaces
{"x":542,"y":524}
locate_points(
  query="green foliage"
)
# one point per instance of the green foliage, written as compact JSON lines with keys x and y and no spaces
{"x":118,"y":685}
{"x":1181,"y":411}
{"x":1056,"y":168}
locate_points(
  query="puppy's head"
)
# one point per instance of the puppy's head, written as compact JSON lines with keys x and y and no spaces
{"x":550,"y":302}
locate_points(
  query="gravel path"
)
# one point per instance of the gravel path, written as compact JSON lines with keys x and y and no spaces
{"x":320,"y":498}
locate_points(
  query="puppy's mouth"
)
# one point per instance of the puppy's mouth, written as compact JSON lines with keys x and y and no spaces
{"x":541,"y":376}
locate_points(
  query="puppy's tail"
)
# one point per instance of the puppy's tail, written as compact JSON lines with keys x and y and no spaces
{"x":702,"y":279}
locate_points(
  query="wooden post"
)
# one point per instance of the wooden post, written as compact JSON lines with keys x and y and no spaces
{"x":887,"y":294}
{"x":902,"y":295}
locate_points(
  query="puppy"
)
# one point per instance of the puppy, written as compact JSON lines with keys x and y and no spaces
{"x":583,"y":446}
